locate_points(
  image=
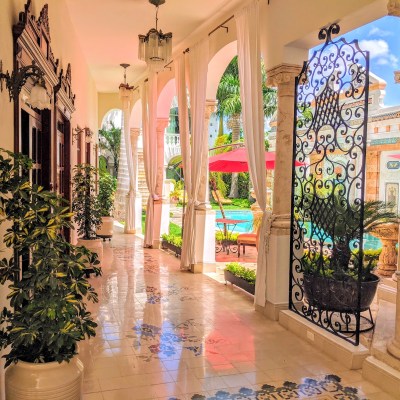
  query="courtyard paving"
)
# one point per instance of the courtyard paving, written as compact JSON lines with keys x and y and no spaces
{"x":167,"y":334}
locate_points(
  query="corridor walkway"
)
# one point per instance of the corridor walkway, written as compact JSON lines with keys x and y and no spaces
{"x":168,"y":334}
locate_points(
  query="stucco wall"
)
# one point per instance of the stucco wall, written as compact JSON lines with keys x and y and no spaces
{"x":65,"y":46}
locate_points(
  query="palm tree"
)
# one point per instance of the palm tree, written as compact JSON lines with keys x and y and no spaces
{"x":110,"y":140}
{"x":229,"y":105}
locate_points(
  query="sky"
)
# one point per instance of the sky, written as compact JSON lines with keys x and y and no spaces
{"x":382,"y":39}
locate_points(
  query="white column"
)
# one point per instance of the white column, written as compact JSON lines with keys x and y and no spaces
{"x":205,"y":216}
{"x":278,"y":255}
{"x":126,"y":96}
{"x":137,"y":197}
{"x":161,"y":206}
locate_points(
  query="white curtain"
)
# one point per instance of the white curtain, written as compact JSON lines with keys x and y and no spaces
{"x":198,"y":69}
{"x":249,"y":60}
{"x":149,"y":121}
{"x":126,"y":96}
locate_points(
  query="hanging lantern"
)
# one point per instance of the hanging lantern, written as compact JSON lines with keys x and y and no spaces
{"x":155,"y":48}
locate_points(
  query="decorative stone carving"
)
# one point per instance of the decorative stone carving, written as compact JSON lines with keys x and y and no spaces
{"x":388,"y":234}
{"x":283,"y":73}
{"x":394,"y":8}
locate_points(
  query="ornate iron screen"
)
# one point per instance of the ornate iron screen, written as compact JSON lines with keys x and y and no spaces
{"x":327,"y":274}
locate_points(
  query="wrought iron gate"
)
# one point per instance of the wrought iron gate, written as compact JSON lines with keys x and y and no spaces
{"x":327,"y":273}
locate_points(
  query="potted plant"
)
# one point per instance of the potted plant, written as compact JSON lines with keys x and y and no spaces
{"x":240,"y":276}
{"x":47,"y":289}
{"x":87,"y":214}
{"x":107,"y":188}
{"x":331,"y":280}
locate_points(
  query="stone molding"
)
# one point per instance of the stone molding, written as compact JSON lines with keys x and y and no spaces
{"x":135,"y":133}
{"x":394,"y":8}
{"x":281,"y":74}
{"x":162,"y":123}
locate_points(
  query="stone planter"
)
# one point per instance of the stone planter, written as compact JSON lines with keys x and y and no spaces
{"x":339,"y":296}
{"x":50,"y":381}
{"x":388,"y":234}
{"x":239,"y":282}
{"x":106,"y":228}
{"x":169,"y":246}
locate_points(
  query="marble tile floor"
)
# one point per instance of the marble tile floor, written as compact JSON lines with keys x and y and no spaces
{"x":166,"y":334}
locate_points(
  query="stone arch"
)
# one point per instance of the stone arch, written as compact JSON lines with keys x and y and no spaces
{"x":111,"y":114}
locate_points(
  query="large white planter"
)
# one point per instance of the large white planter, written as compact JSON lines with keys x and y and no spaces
{"x":106,"y":228}
{"x":48,"y":381}
{"x":94,"y":245}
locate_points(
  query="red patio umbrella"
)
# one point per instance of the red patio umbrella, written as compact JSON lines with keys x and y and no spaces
{"x":236,"y":161}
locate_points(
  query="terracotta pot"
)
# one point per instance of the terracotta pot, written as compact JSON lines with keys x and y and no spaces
{"x":50,"y":381}
{"x":94,"y":245}
{"x":106,"y":228}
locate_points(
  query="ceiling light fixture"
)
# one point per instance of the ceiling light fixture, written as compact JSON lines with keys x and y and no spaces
{"x":156,"y":47}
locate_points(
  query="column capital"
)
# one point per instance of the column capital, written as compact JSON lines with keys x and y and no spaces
{"x":211,"y":107}
{"x":162,"y":123}
{"x":135,"y":133}
{"x":283,"y":73}
{"x":394,"y":8}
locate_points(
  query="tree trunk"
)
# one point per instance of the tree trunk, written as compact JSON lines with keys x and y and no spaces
{"x":221,"y":126}
{"x":234,"y":124}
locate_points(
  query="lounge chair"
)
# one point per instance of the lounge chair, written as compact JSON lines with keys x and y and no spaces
{"x":247,"y":239}
{"x":217,"y":195}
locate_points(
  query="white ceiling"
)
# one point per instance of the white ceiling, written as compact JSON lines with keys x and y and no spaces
{"x":108,"y":31}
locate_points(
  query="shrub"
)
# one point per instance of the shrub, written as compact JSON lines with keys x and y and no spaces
{"x":239,"y":270}
{"x":219,"y":236}
{"x":48,"y":313}
{"x":107,"y":188}
{"x":172,"y":239}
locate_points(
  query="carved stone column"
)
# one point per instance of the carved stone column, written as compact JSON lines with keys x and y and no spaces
{"x":283,"y":78}
{"x":161,"y":206}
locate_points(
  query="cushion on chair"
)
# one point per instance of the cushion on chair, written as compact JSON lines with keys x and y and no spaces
{"x":247,"y":238}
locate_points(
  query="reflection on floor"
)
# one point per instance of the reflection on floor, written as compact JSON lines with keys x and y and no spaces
{"x":167,"y":334}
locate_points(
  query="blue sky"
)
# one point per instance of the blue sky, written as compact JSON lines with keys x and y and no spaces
{"x":382,"y":39}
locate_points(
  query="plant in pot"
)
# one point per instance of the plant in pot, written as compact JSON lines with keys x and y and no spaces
{"x":240,"y":276}
{"x":332,"y":278}
{"x":85,"y":205}
{"x":48,"y":291}
{"x":107,"y":188}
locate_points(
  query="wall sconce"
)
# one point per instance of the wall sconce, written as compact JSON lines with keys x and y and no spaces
{"x":88,"y":134}
{"x":39,"y":98}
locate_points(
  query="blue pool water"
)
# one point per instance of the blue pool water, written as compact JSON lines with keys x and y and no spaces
{"x":242,"y":215}
{"x":370,"y":242}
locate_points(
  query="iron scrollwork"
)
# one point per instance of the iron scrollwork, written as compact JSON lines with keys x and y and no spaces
{"x":327,"y":285}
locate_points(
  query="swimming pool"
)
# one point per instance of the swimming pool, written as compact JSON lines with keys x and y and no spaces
{"x":370,"y":242}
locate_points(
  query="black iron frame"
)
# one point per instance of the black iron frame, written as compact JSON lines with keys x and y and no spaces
{"x":337,"y":68}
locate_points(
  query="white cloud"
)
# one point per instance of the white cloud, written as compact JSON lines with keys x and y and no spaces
{"x":379,"y":32}
{"x":379,"y":49}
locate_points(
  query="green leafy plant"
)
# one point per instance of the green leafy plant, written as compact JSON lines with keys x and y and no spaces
{"x":239,"y":270}
{"x":110,"y":140}
{"x":48,"y":290}
{"x":172,"y":239}
{"x":85,"y":203}
{"x":219,"y":237}
{"x":107,"y":188}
